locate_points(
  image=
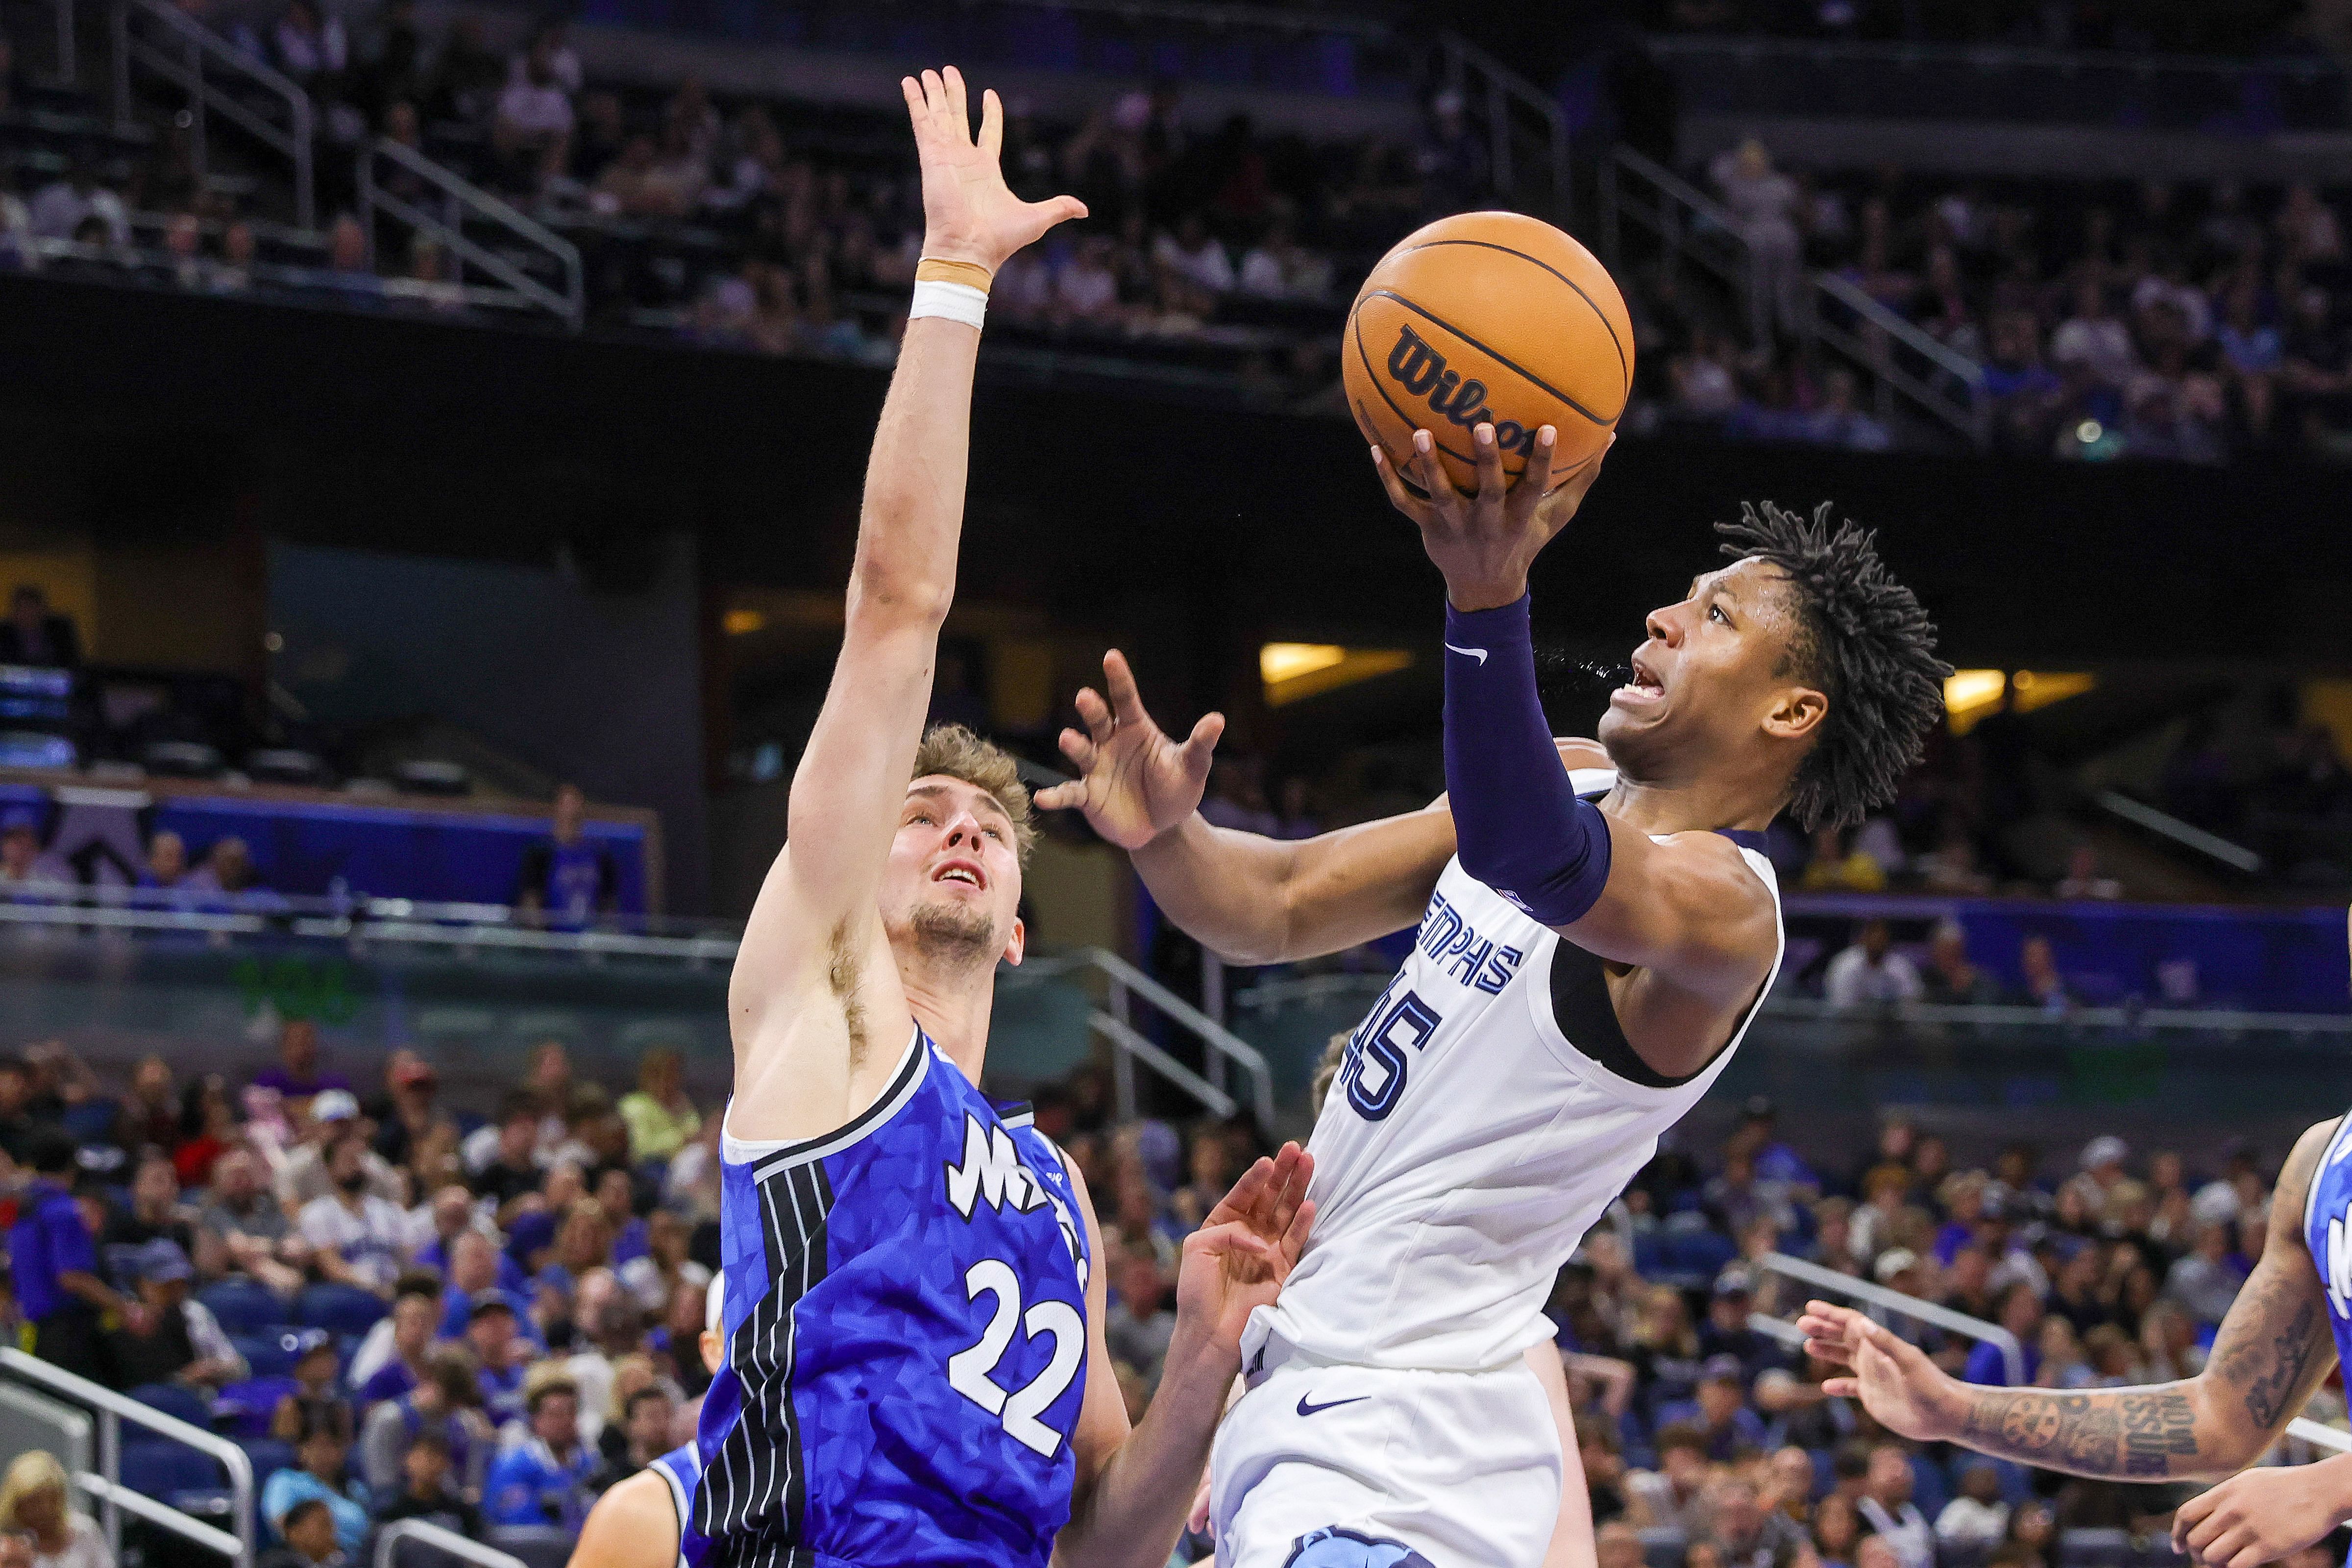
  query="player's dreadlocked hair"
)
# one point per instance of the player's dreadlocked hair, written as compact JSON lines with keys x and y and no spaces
{"x":1863,"y":641}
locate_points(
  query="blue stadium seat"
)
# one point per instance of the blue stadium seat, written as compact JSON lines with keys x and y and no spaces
{"x":241,"y":1306}
{"x":2088,"y":1548}
{"x":1663,"y":1548}
{"x":268,"y":1354}
{"x":267,"y":1455}
{"x":160,"y":1468}
{"x":243,"y":1409}
{"x":1930,"y":1488}
{"x":539,"y":1545}
{"x":175,"y":1399}
{"x":339,"y":1309}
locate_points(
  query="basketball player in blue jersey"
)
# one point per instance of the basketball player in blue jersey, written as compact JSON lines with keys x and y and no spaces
{"x":915,"y":1370}
{"x":643,"y":1521}
{"x":1597,"y":926}
{"x":2291,"y":1323}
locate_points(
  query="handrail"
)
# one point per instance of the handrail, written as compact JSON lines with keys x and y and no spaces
{"x":294,"y":140}
{"x":570,"y":306}
{"x":1506,"y":87}
{"x":1126,"y":1037}
{"x":115,"y":1494}
{"x":68,"y":65}
{"x":114,"y":1409}
{"x":2012,"y":1354}
{"x":2188,"y":835}
{"x":1970,"y":415}
{"x":389,"y":1538}
{"x":2319,"y":1436}
{"x":1222,"y":1043}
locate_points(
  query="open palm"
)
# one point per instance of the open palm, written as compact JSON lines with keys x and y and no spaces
{"x":1134,"y":783}
{"x":970,"y":214}
{"x":1236,"y":1262}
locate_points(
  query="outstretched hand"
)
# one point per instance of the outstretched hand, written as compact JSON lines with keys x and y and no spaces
{"x":1134,"y":781}
{"x":970,"y":214}
{"x":1236,"y":1262}
{"x":1903,"y":1390}
{"x":1484,"y":543}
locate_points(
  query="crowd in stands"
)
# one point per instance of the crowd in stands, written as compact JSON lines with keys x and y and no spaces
{"x":2191,"y":322}
{"x":2256,"y":27}
{"x":403,"y":1308}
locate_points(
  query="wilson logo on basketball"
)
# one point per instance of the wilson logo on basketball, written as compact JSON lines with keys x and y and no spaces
{"x":1420,"y":371}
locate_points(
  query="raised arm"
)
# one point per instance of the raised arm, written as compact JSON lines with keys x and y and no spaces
{"x":1685,"y":911}
{"x":2274,"y":1349}
{"x":1249,"y":899}
{"x":815,"y":1003}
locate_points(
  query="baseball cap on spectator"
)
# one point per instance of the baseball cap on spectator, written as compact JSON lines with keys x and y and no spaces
{"x":334,"y":1105}
{"x":492,"y":1300}
{"x":306,"y":1342}
{"x":530,"y":1232}
{"x":19,"y":819}
{"x":1892,"y":1262}
{"x":2104,"y":1150}
{"x":2216,"y":1203}
{"x":1735,"y":1281}
{"x":1723,"y":1369}
{"x":1759,"y":1108}
{"x":1162,"y":1153}
{"x":414,"y":1072}
{"x":161,"y":1261}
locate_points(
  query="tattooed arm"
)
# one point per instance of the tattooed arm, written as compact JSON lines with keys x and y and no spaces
{"x":2274,"y":1349}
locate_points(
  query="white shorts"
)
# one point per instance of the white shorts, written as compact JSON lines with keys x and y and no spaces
{"x":1324,"y":1466}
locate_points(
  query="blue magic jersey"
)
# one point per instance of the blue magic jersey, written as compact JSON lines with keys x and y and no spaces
{"x":682,"y":1469}
{"x":906,"y":1339}
{"x":2326,"y":1214}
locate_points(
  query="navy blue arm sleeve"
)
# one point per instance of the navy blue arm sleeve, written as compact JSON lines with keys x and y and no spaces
{"x":1520,"y":829}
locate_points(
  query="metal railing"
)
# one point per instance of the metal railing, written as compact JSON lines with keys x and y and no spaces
{"x":69,"y":68}
{"x":2012,"y":1353}
{"x":460,"y":201}
{"x":388,"y":1540}
{"x":1523,"y":123}
{"x":1832,"y":1282}
{"x":106,"y":1485}
{"x":1222,"y":1050}
{"x":182,"y":53}
{"x":1690,"y":225}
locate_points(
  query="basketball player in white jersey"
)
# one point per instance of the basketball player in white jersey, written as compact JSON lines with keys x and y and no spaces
{"x":1592,"y":943}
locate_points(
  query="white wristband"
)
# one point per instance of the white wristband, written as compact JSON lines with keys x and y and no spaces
{"x":956,"y":302}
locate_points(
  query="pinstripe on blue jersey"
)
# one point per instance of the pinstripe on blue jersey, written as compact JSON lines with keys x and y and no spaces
{"x":906,"y":1340}
{"x":682,"y":1469}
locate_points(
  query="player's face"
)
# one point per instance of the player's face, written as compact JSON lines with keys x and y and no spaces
{"x":954,"y":876}
{"x":1709,"y":675}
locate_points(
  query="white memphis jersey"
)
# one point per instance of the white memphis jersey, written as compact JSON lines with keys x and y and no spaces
{"x":1468,"y":1143}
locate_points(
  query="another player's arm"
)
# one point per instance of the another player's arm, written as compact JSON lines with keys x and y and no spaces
{"x":1247,"y":897}
{"x":814,"y":1003}
{"x":633,"y":1525}
{"x":1135,"y":1485}
{"x":2274,"y":1349}
{"x":1684,"y":912}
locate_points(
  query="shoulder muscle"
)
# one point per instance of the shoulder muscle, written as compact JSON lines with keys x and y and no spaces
{"x":633,"y":1525}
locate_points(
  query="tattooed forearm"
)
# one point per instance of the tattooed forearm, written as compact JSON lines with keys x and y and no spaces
{"x":2139,"y":1433}
{"x":2274,"y":1380}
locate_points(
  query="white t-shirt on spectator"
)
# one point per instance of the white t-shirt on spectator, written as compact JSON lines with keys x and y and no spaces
{"x":1854,"y":980}
{"x":1086,"y":291}
{"x":1905,"y":1530}
{"x":533,"y":109}
{"x":1206,"y":265}
{"x":57,"y":209}
{"x":1966,"y":1522}
{"x":2104,"y":346}
{"x":85,"y":1547}
{"x":370,"y":1240}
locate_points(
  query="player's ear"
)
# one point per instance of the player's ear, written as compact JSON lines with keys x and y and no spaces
{"x":1795,"y":713}
{"x":1018,"y":945}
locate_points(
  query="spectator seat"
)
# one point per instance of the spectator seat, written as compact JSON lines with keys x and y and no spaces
{"x":175,"y":1399}
{"x":182,"y":759}
{"x":270,"y":1353}
{"x":241,"y":1306}
{"x":339,"y":1309}
{"x":243,"y":1409}
{"x":159,"y":1468}
{"x":1663,"y":1548}
{"x":539,"y":1545}
{"x":2088,"y":1548}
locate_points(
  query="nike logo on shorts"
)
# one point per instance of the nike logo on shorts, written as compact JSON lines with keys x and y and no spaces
{"x":1477,"y":653}
{"x":1305,"y":1409}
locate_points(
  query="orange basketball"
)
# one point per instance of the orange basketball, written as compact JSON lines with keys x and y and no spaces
{"x":1489,"y":317}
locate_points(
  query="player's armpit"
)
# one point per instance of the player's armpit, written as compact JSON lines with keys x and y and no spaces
{"x":2275,"y":1345}
{"x":633,"y":1525}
